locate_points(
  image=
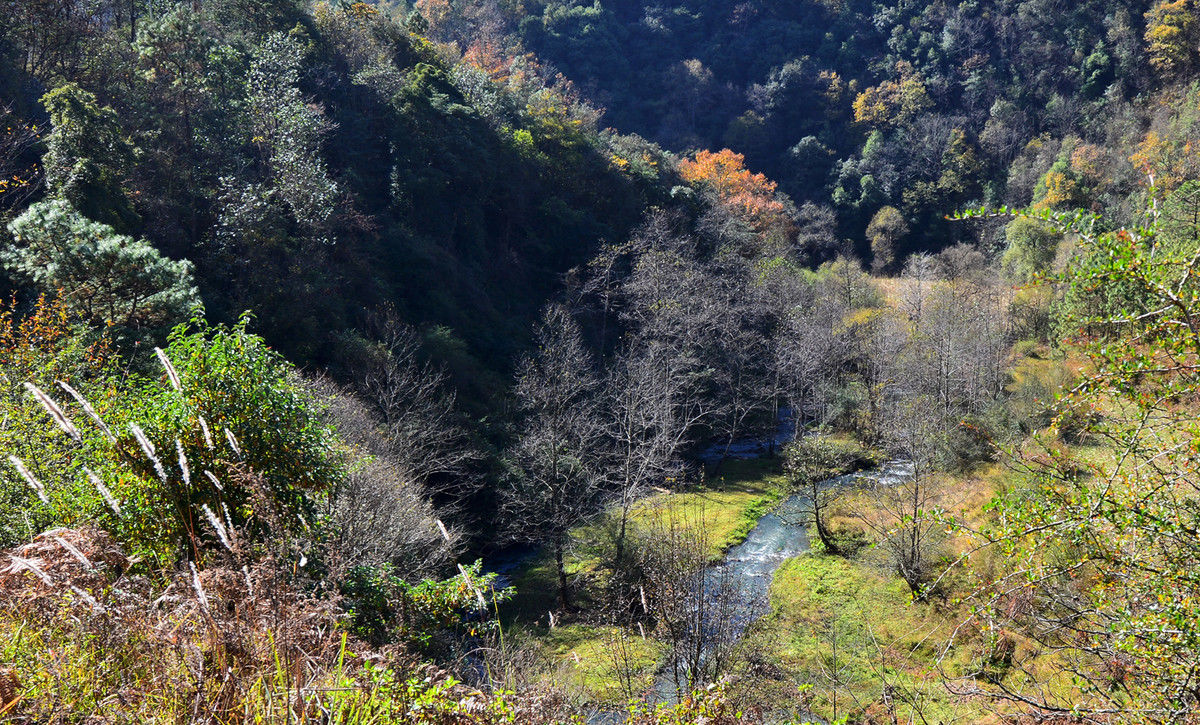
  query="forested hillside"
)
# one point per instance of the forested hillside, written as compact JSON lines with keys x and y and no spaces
{"x":311,"y":164}
{"x":470,"y":361}
{"x":858,"y":107}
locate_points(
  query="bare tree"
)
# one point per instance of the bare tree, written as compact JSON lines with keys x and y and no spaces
{"x":812,"y":350}
{"x":418,"y":407}
{"x":20,"y":176}
{"x":904,"y":515}
{"x":555,"y":484}
{"x":694,"y":605}
{"x":379,"y":513}
{"x":739,"y":352}
{"x":649,"y":413}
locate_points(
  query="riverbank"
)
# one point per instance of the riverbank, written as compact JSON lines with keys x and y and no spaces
{"x":605,"y":663}
{"x":843,"y":637}
{"x":727,"y":504}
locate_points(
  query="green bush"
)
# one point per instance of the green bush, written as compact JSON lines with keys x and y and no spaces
{"x":384,"y":607}
{"x":240,"y":414}
{"x":226,"y":427}
{"x":820,"y":458}
{"x":42,"y":348}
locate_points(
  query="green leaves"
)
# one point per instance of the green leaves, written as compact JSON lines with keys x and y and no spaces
{"x":107,"y":278}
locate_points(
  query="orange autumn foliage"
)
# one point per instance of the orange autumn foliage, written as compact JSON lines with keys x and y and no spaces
{"x":725,"y":172}
{"x":31,"y":342}
{"x":1166,"y":160}
{"x":488,"y":56}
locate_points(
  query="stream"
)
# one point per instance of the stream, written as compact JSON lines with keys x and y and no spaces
{"x":749,"y":567}
{"x":746,"y":571}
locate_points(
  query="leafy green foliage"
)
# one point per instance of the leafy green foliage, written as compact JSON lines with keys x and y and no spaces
{"x":239,"y":436}
{"x":1032,"y":246}
{"x":384,"y":606}
{"x":240,"y":414}
{"x":87,"y":157}
{"x":105,"y":278}
{"x":42,"y":348}
{"x":1110,"y":533}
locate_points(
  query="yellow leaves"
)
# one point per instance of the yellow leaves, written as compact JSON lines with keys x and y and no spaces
{"x":893,"y":102}
{"x":877,"y":105}
{"x":1061,"y":190}
{"x":864,"y":317}
{"x":1171,"y":36}
{"x":1167,"y":162}
{"x":435,"y":12}
{"x":1088,"y":161}
{"x":362,"y":10}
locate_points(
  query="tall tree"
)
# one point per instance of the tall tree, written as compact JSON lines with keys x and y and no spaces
{"x":87,"y":157}
{"x":555,"y":484}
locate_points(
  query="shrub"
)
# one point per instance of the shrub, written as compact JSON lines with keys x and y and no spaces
{"x":384,"y":607}
{"x":162,"y":449}
{"x":820,"y":458}
{"x":228,"y":405}
{"x":41,"y":349}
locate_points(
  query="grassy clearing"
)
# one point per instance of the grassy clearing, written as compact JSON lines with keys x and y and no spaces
{"x":844,"y":635}
{"x":840,"y":634}
{"x":606,"y":666}
{"x":731,"y":502}
{"x":728,"y":505}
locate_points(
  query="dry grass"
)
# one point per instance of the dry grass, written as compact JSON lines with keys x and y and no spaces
{"x":84,"y":640}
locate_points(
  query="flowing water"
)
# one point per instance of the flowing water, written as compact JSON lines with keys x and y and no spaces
{"x":748,"y":568}
{"x":746,"y":572}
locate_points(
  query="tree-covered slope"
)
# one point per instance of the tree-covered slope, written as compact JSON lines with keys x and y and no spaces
{"x":313,"y":165}
{"x":859,"y":106}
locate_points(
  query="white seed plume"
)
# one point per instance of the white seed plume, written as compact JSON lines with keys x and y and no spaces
{"x":171,"y":374}
{"x":35,"y":484}
{"x":87,"y":408}
{"x":642,"y":630}
{"x":108,"y":497}
{"x":73,"y":551}
{"x":552,"y":622}
{"x":642,"y":592}
{"x":228,"y":518}
{"x":249,"y":584}
{"x":217,"y":525}
{"x":183,"y":464}
{"x":442,"y":528}
{"x":148,"y":449}
{"x":233,"y":443}
{"x":204,"y":429}
{"x":55,"y":412}
{"x":471,"y":586}
{"x":87,"y":598}
{"x":214,"y":480}
{"x":303,"y":560}
{"x":197,"y":587}
{"x":18,"y":563}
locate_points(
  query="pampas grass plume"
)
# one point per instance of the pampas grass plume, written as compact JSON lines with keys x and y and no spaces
{"x":35,"y":484}
{"x":91,"y":412}
{"x":55,"y":412}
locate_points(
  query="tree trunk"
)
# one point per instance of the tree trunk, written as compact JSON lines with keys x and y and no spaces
{"x":824,"y":534}
{"x":564,"y":593}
